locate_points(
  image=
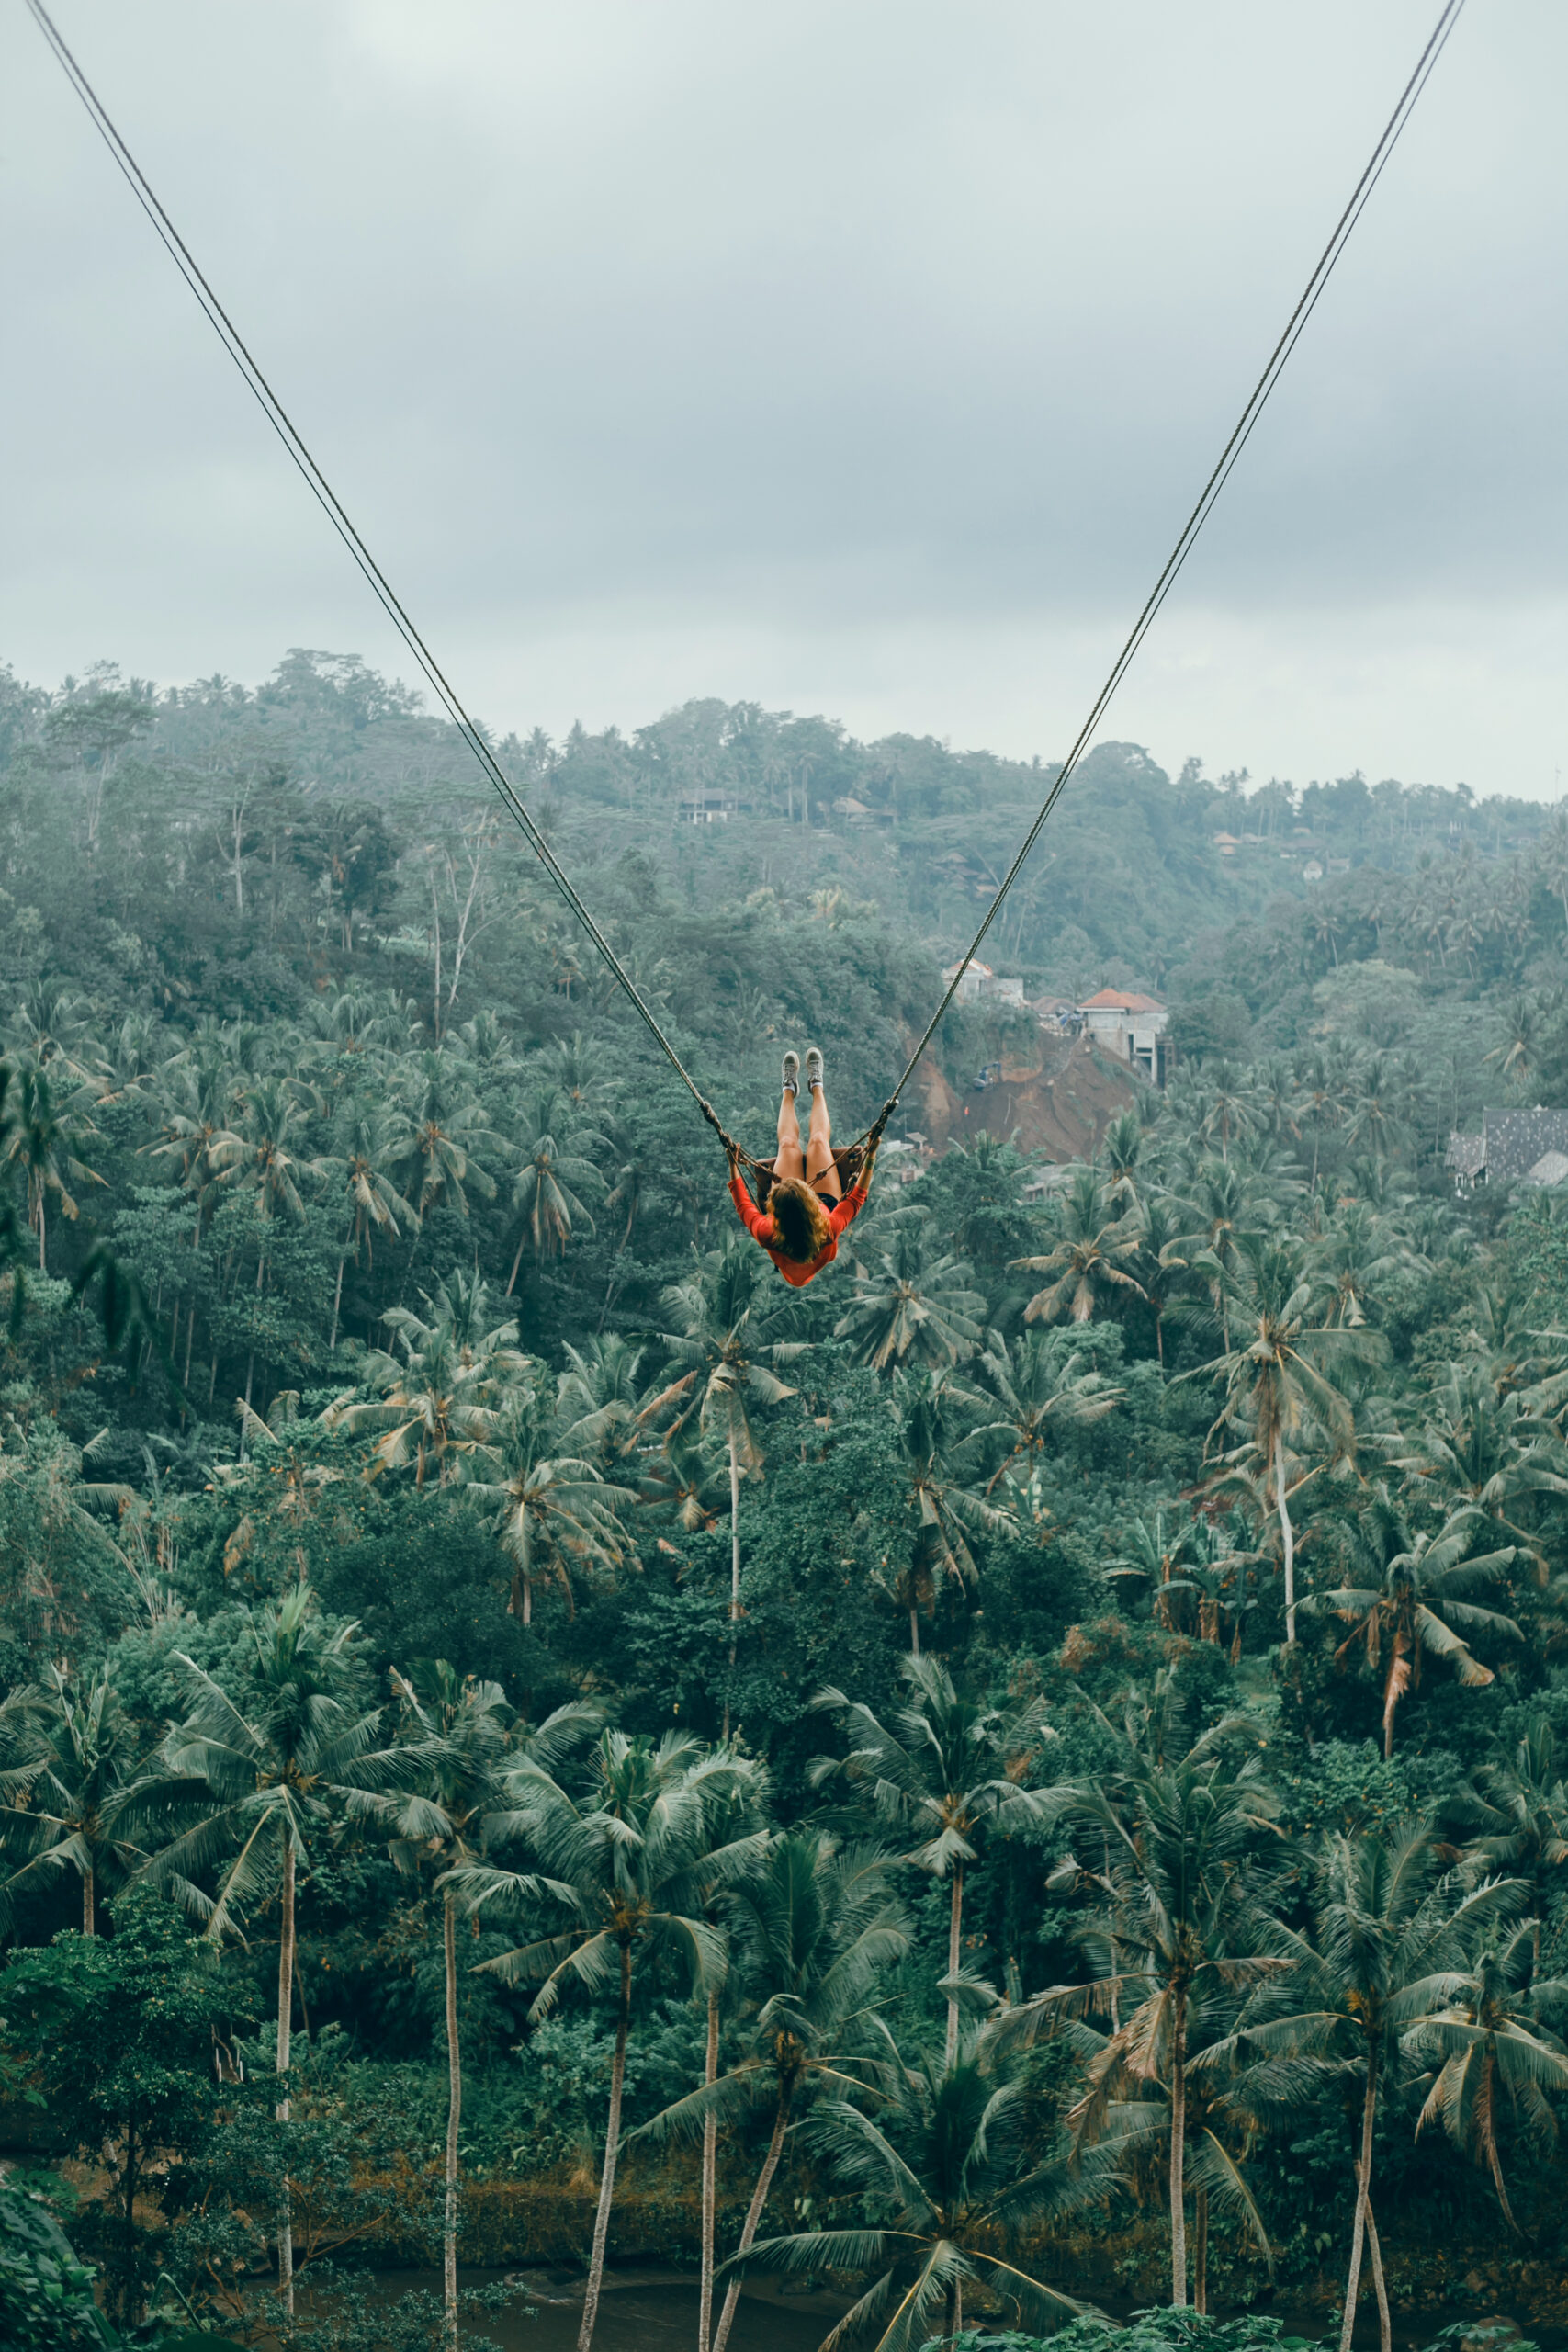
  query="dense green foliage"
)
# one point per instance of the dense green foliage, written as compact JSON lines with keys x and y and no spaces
{"x":484,"y":1599}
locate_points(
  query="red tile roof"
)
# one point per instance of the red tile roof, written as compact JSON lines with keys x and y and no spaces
{"x":1122,"y":1001}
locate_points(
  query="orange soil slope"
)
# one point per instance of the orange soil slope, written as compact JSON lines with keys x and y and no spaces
{"x":1060,"y":1108}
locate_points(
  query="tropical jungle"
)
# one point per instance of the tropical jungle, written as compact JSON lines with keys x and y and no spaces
{"x":1024,"y":1779}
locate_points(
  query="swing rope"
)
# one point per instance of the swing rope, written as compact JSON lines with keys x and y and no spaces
{"x":468,"y":729}
{"x":326,"y":497}
{"x":1294,"y":327}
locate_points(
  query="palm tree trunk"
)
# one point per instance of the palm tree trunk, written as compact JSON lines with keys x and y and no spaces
{"x":246,"y":1416}
{"x":1178,"y":2153}
{"x":516,"y":1262}
{"x":955,"y":1926}
{"x":1287,"y":1536}
{"x":1201,"y":2255}
{"x":285,"y":2022}
{"x":914,"y":1629}
{"x":89,"y":1902}
{"x":954,"y":2317}
{"x":1363,"y":2191}
{"x":454,"y":2116}
{"x":754,"y":2216}
{"x":612,"y":2149}
{"x":734,"y":1568}
{"x":710,"y":2179}
{"x":1380,"y":2288}
{"x":337,"y":1303}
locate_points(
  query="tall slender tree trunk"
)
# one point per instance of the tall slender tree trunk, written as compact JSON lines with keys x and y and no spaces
{"x":1363,"y":2192}
{"x":454,"y":2117}
{"x":710,"y":2181}
{"x":954,"y":1933}
{"x":733,"y":1569}
{"x":246,"y":1416}
{"x":1287,"y":1536}
{"x":1200,"y":2255}
{"x":753,"y":2215}
{"x":612,"y":2149}
{"x":89,"y":1902}
{"x":285,"y":2024}
{"x":337,"y":1303}
{"x":954,"y":2319}
{"x":1380,"y":2287}
{"x":1178,"y":2153}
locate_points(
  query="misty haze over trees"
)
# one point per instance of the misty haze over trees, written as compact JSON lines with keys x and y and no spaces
{"x":1109,"y":1842}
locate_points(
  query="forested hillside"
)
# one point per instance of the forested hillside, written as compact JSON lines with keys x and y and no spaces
{"x":1021,"y":1676}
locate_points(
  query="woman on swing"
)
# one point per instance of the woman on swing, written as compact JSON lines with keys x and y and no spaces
{"x":808,"y":1208}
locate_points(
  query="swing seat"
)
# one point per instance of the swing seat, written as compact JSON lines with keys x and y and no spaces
{"x":848,"y":1161}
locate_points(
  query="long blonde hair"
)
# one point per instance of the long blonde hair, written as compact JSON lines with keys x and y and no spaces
{"x":800,"y":1222}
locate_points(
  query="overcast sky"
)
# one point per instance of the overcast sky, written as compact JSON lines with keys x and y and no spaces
{"x":859,"y":357}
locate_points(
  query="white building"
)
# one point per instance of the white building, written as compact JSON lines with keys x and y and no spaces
{"x":1132,"y":1027}
{"x":979,"y":980}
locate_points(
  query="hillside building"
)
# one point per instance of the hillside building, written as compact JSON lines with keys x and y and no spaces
{"x":1513,"y":1147}
{"x":980,"y":981}
{"x":1132,"y":1027}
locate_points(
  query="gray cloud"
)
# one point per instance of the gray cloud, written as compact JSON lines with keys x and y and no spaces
{"x":862,"y":357}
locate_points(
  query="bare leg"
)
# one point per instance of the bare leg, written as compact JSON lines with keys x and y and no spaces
{"x":820,"y":1172}
{"x":791,"y":1160}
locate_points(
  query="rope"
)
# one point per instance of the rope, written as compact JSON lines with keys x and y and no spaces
{"x":326,"y":497}
{"x":321,"y":490}
{"x":1277,"y":358}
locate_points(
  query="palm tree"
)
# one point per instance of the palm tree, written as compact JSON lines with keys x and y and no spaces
{"x":1521,"y":1812}
{"x":1491,"y":2051}
{"x":363,"y":1169}
{"x":915,"y":1302}
{"x":1119,"y":1155}
{"x":1162,"y":1258}
{"x":1407,"y":1597}
{"x":603,"y":1385}
{"x":547,"y":1193}
{"x":721,"y":1310}
{"x":1125,"y":2112}
{"x":1222,"y":1205}
{"x":444,"y":1131}
{"x":1354,"y":1255}
{"x":1089,"y":1258}
{"x":1042,"y":1384}
{"x":628,"y":1173}
{"x":1173,"y":1895}
{"x":948,"y":1769}
{"x":194,"y":1122}
{"x":948,"y":2171}
{"x":70,"y":1794}
{"x":1481,"y":1451}
{"x":258,"y":1160}
{"x":1278,"y":1380}
{"x":939,"y":1433}
{"x":274,"y":1765}
{"x":551,"y":1505}
{"x":1387,"y":1937}
{"x":629,"y":1858}
{"x":443,"y":1391}
{"x":40,"y":1139}
{"x":813,"y":1930}
{"x":458,"y":1737}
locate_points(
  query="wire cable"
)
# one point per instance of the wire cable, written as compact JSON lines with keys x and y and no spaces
{"x":321,"y":490}
{"x":1294,"y":328}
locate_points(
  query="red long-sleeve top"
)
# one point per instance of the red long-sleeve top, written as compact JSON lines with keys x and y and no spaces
{"x":761,"y":1228}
